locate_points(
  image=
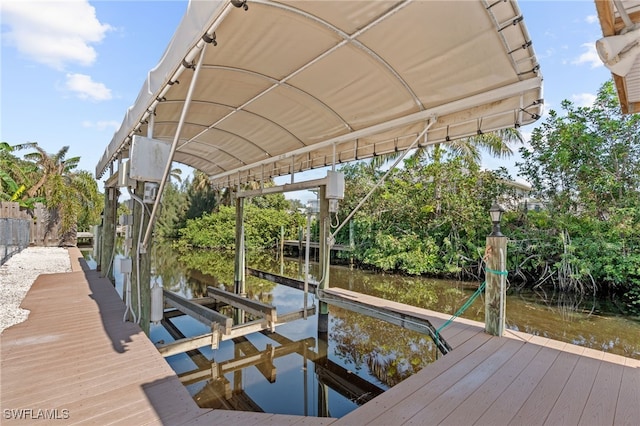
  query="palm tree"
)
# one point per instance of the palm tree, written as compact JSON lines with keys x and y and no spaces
{"x":50,"y":167}
{"x":175,"y":174}
{"x":14,"y":174}
{"x":72,"y":197}
{"x":496,"y":143}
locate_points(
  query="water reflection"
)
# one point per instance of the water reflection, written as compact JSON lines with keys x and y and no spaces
{"x":293,"y":371}
{"x":297,"y":371}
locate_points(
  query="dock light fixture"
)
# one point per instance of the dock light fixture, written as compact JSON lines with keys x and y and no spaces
{"x":313,"y":206}
{"x":496,"y":216}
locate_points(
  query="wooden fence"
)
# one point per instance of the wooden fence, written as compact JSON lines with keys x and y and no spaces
{"x":20,"y":228}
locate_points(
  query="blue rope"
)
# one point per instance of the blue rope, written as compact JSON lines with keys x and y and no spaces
{"x":468,"y":303}
{"x":493,"y":271}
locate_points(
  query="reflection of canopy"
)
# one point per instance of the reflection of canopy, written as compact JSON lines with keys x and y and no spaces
{"x":614,"y":22}
{"x":291,"y":85}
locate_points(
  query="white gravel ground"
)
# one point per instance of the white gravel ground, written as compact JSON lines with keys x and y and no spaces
{"x":18,"y":274}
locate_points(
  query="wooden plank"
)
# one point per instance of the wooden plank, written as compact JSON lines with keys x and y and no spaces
{"x":517,"y":393}
{"x":492,"y":388}
{"x":570,"y":404}
{"x":600,"y":408}
{"x":191,"y":343}
{"x":315,"y":245}
{"x":254,"y":307}
{"x":534,"y":410}
{"x":72,"y":352}
{"x":447,"y":402}
{"x":199,"y":312}
{"x":391,"y":403}
{"x":628,"y":408}
{"x":279,"y":279}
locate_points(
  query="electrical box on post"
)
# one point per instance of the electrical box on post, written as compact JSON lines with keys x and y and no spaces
{"x":150,"y":192}
{"x":335,"y":185}
{"x":148,"y":159}
{"x":125,"y":219}
{"x":126,"y":265}
{"x":123,"y":175}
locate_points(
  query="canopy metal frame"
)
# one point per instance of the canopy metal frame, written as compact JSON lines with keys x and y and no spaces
{"x":485,"y":109}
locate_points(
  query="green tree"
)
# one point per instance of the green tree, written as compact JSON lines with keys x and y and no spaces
{"x":585,"y":165}
{"x":15,"y":175}
{"x":72,"y":197}
{"x":201,"y":197}
{"x":50,"y":168}
{"x":424,"y":220}
{"x":586,"y":160}
{"x":174,"y":207}
{"x":262,"y":228}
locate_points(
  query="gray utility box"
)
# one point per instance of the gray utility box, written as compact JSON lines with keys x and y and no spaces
{"x":147,"y":159}
{"x":335,"y":185}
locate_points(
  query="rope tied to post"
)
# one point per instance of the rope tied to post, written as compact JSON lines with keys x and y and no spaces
{"x":468,"y":303}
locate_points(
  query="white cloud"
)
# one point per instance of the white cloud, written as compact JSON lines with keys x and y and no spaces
{"x":590,"y":56}
{"x":583,"y":99}
{"x":54,"y":33}
{"x":85,"y":88}
{"x":591,"y":19}
{"x":102,"y":125}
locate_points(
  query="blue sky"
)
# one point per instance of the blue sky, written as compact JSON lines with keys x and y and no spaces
{"x":69,"y":70}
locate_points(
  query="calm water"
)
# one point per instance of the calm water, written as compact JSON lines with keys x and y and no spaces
{"x":298,"y":371}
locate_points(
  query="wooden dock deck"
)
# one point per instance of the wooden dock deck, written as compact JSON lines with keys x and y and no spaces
{"x":75,"y":361}
{"x":517,"y":379}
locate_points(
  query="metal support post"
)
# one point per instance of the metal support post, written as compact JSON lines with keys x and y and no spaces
{"x":239,"y":265}
{"x":324,"y":257}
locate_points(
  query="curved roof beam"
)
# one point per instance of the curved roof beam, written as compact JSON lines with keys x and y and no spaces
{"x":352,"y":38}
{"x":276,"y":124}
{"x":275,"y":83}
{"x":208,"y":145}
{"x":220,"y":130}
{"x":285,"y":85}
{"x":208,"y":161}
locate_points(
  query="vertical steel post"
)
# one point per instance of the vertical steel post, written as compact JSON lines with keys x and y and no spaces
{"x":324,"y":257}
{"x":306,"y":264}
{"x":239,"y":264}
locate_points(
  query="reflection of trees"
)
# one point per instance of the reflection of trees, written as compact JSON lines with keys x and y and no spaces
{"x":438,"y":295}
{"x":168,"y":266}
{"x":390,"y":353}
{"x":215,"y":268}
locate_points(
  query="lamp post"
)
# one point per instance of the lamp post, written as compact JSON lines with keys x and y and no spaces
{"x":495,"y":275}
{"x":496,"y":216}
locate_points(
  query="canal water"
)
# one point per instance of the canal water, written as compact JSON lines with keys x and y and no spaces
{"x":298,"y":371}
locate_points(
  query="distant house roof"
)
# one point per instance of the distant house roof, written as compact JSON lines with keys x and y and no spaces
{"x":294,"y":85}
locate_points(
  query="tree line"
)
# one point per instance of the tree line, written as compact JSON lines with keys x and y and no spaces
{"x":52,"y":179}
{"x":431,"y":215}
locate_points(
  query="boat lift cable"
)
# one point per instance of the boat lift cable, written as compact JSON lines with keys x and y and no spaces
{"x":422,"y":134}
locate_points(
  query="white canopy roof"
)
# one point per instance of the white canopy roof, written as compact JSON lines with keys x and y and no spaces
{"x":292,"y":85}
{"x":618,"y":18}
